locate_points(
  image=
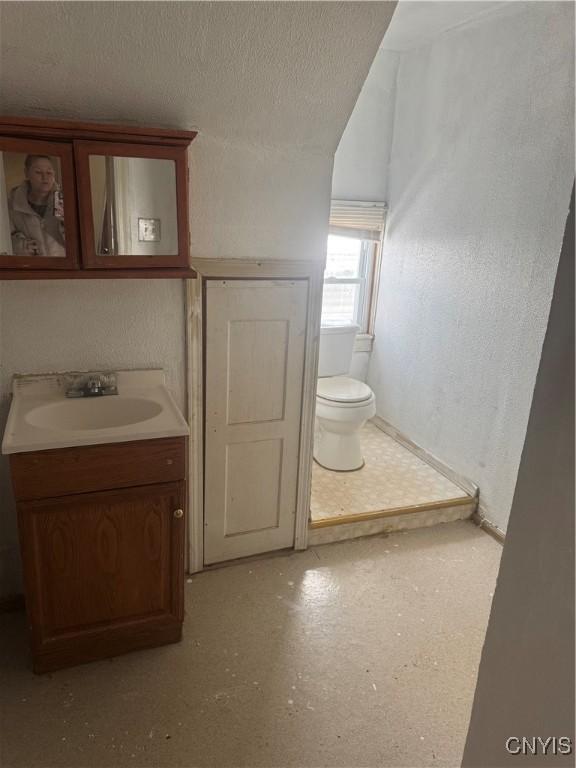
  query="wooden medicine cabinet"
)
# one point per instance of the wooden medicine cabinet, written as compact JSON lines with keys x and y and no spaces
{"x":92,"y":200}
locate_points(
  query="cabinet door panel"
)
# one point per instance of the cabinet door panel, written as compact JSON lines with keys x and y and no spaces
{"x":103,"y":559}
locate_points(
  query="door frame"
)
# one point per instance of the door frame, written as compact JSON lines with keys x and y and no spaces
{"x":247,"y":269}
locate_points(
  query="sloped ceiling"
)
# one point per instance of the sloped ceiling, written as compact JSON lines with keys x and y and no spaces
{"x":271,"y":73}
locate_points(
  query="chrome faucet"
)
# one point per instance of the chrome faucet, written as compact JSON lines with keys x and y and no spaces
{"x":92,"y":385}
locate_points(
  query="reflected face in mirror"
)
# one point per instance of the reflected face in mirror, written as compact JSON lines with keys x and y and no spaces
{"x":40,"y":177}
{"x":31,"y":199}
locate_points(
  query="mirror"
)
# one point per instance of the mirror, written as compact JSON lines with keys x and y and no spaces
{"x":134,"y":210}
{"x":31,"y":206}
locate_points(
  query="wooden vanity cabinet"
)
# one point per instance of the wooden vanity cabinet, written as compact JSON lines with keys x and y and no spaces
{"x":103,"y":569}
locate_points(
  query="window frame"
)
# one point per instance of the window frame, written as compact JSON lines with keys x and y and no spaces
{"x":364,"y":307}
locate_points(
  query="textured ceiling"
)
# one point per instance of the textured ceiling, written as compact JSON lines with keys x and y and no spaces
{"x":271,"y":73}
{"x":417,"y":22}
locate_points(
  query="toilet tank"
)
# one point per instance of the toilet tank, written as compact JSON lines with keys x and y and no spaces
{"x":336,"y":347}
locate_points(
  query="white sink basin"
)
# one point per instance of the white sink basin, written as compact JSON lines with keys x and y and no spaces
{"x":42,"y":418}
{"x":92,"y":413}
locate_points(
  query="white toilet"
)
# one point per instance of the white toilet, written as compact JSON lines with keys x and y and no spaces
{"x":343,"y":404}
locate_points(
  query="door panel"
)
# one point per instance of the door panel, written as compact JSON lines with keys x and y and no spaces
{"x":251,"y":504}
{"x":257,"y":345}
{"x":255,"y":337}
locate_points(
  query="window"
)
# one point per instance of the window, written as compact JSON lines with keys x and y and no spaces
{"x":352,"y":263}
{"x":348,"y":281}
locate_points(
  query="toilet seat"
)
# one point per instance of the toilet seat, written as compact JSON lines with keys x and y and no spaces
{"x":343,"y":391}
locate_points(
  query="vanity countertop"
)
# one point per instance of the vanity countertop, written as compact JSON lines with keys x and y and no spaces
{"x":41,"y":417}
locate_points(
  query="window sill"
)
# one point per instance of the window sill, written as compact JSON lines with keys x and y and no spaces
{"x":363,"y":342}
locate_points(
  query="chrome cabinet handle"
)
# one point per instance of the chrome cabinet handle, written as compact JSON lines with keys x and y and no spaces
{"x":178,"y":513}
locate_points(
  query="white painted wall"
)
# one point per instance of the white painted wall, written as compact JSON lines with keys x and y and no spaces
{"x":480,"y":176}
{"x":361,"y":160}
{"x":526,"y":677}
{"x":363,"y":154}
{"x":254,"y":202}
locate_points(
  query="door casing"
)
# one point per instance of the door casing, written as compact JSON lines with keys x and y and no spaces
{"x":242,"y":269}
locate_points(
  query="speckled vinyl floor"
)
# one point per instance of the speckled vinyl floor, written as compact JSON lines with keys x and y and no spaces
{"x":391,"y":477}
{"x":360,"y":653}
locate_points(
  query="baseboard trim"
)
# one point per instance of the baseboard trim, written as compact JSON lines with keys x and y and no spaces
{"x":462,"y":482}
{"x":392,"y":512}
{"x":486,"y":525}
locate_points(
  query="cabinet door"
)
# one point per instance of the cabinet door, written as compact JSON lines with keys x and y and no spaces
{"x":133,"y":203}
{"x":107,"y":559}
{"x":37,"y":205}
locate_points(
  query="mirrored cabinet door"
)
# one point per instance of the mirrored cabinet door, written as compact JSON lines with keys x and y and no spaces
{"x":133,"y":205}
{"x":37,"y":205}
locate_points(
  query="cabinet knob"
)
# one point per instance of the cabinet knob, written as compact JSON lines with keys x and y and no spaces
{"x":178,"y":513}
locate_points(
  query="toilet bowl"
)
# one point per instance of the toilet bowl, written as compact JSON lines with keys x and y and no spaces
{"x":343,"y":404}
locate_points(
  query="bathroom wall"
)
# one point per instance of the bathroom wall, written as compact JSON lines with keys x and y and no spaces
{"x":271,"y":100}
{"x":361,"y":160}
{"x":526,"y":676}
{"x":481,"y":169}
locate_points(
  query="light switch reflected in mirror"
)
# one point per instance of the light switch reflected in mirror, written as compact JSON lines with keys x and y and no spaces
{"x":31,"y":206}
{"x":134,"y":211}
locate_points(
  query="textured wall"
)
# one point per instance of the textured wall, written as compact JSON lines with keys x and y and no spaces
{"x":57,"y":325}
{"x":361,"y":160}
{"x":526,"y":677}
{"x":480,"y":176}
{"x":258,"y":202}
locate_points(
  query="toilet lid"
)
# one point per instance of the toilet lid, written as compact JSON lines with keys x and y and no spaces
{"x":341,"y":389}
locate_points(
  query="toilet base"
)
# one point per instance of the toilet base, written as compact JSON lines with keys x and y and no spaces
{"x":338,"y":452}
{"x":339,"y":470}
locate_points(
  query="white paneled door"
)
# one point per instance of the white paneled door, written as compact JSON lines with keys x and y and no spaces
{"x":255,"y":340}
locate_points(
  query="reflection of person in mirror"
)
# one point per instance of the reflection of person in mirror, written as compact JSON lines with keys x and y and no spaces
{"x":36,"y":208}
